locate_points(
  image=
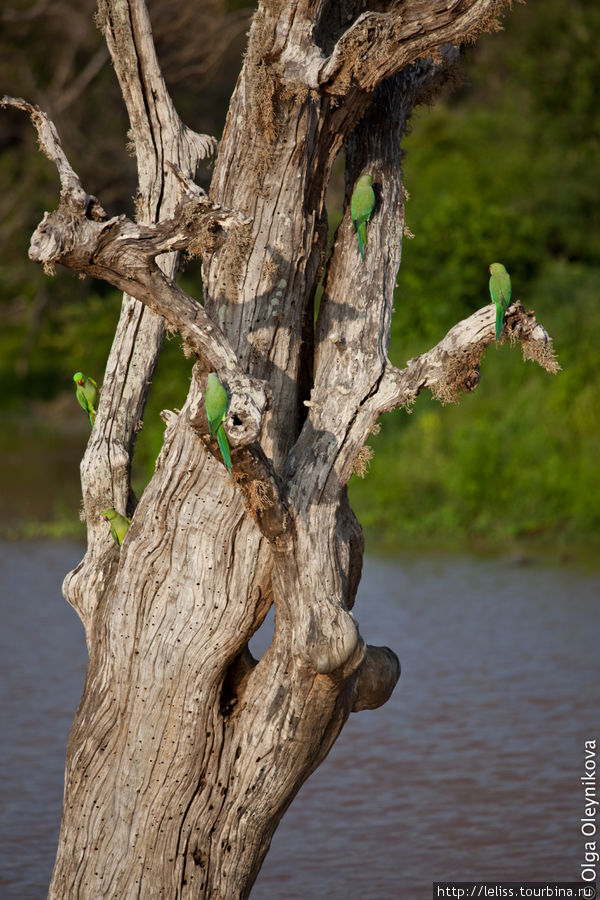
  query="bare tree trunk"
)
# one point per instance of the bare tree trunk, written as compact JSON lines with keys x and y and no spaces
{"x":186,"y":751}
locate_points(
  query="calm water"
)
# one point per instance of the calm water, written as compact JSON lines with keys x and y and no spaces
{"x":471,"y":771}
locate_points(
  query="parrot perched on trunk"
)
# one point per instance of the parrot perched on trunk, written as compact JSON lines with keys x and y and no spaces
{"x":118,"y":524}
{"x":216,"y":400}
{"x":362,"y":204}
{"x":87,"y":394}
{"x":500,"y":291}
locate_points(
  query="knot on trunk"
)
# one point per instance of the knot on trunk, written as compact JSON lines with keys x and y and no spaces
{"x":376,"y":678}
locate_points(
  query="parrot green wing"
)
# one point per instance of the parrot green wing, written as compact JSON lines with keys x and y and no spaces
{"x":87,"y":394}
{"x":81,"y":400}
{"x":362,"y":204}
{"x":500,"y":292}
{"x":215,"y":400}
{"x":118,"y":524}
{"x":224,"y":448}
{"x":90,"y":389}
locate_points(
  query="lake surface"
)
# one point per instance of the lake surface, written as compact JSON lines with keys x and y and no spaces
{"x":470,"y":772}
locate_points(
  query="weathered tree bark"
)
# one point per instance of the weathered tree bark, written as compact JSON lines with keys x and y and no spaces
{"x":186,"y":751}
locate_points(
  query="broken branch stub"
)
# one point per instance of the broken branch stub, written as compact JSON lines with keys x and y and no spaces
{"x":72,"y":191}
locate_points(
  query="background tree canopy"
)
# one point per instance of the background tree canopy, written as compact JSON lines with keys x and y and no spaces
{"x":503,"y":168}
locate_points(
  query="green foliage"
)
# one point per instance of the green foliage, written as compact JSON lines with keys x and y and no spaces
{"x":501,"y":174}
{"x":516,"y":459}
{"x":62,"y":331}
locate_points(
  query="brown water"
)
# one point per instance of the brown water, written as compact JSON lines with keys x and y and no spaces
{"x":471,"y":771}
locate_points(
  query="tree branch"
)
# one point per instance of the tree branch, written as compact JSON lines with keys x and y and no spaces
{"x":128,"y":33}
{"x":452,"y":366}
{"x":354,"y":382}
{"x":158,"y":136}
{"x":123,"y":254}
{"x":72,"y":191}
{"x":380,"y":44}
{"x":352,"y":330}
{"x":447,"y":370}
{"x":78,"y":235}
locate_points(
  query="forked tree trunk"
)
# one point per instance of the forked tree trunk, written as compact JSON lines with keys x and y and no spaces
{"x":186,"y":751}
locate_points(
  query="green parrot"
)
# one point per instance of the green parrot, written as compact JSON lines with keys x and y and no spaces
{"x":87,"y":394}
{"x":216,"y":400}
{"x":500,"y":291}
{"x":362,"y":205}
{"x":118,"y":524}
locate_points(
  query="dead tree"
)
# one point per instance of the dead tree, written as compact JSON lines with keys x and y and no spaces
{"x":186,"y":751}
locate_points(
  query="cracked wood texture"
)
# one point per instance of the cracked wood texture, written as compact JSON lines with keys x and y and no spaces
{"x":186,"y":751}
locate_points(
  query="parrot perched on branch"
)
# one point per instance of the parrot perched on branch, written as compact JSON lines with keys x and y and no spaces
{"x":362,"y":204}
{"x":118,"y":524}
{"x":500,"y":291}
{"x":87,"y":394}
{"x":216,"y":400}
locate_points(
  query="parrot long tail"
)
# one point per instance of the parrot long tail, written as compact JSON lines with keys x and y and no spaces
{"x":499,"y":320}
{"x":362,"y":238}
{"x":224,"y":448}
